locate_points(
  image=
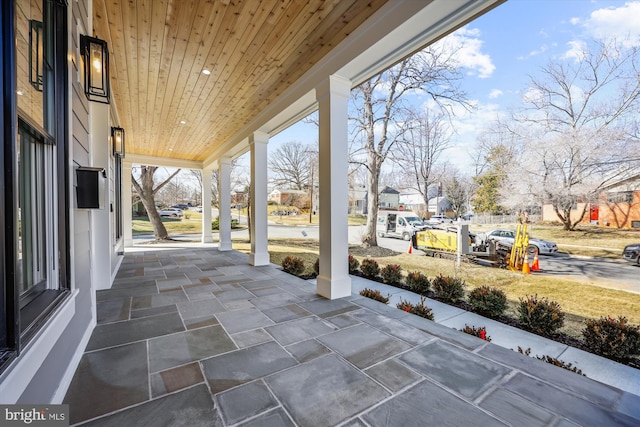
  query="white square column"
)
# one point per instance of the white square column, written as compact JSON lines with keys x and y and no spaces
{"x":333,"y":98}
{"x":126,"y":204}
{"x":224,"y":203}
{"x":259,"y":235}
{"x":207,"y":235}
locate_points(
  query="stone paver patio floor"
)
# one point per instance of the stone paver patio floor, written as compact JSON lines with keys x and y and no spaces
{"x":197,"y":337}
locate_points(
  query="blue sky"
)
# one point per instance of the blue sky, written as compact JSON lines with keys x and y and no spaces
{"x":500,"y":49}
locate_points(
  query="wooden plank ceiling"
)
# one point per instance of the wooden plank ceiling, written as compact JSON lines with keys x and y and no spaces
{"x":254,"y":49}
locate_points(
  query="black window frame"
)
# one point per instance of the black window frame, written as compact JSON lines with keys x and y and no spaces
{"x":119,"y":225}
{"x":18,"y":325}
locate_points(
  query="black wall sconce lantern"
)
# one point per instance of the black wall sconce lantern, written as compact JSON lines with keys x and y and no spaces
{"x":36,"y":54}
{"x":117,"y":141}
{"x":96,"y":68}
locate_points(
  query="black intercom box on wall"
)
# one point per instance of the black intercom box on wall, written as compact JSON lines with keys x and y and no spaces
{"x":90,"y":187}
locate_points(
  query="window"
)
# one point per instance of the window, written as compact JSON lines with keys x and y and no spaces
{"x":33,"y":183}
{"x":620,"y":197}
{"x":118,"y":196}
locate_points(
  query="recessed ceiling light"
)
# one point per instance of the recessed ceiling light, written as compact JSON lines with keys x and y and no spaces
{"x":206,"y":72}
{"x":170,"y":149}
{"x":183,"y":122}
{"x":20,"y":92}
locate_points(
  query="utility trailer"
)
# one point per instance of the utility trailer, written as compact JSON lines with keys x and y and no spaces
{"x":455,"y":241}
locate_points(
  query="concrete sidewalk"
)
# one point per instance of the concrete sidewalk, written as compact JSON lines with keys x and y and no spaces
{"x":595,"y":367}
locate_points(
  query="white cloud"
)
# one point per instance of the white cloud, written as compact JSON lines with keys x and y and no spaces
{"x":539,"y":51}
{"x":532,"y":95}
{"x":576,"y":50}
{"x":467,"y":46}
{"x":495,"y":93}
{"x":621,"y":23}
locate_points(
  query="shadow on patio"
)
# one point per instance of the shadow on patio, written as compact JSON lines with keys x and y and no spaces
{"x":193,"y":336}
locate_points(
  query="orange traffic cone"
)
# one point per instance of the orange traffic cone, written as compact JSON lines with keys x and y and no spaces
{"x":525,"y":264}
{"x":410,"y":250}
{"x":535,"y":266}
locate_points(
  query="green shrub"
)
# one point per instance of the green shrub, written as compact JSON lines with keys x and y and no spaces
{"x":554,"y":361}
{"x":488,"y":301}
{"x":391,"y":273}
{"x":448,"y":288}
{"x":417,"y":309}
{"x":376,"y":295}
{"x":316,"y":266}
{"x":293,"y":265}
{"x":369,"y":268}
{"x":540,"y":316}
{"x":418,"y":282}
{"x":354,"y":264}
{"x":612,"y":338}
{"x":215,"y":224}
{"x":480,"y":332}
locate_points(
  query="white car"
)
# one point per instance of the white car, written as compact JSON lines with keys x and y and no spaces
{"x":508,"y":236}
{"x":439,"y":219}
{"x":172,"y":212}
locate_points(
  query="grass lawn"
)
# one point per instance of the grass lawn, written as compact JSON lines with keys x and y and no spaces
{"x":300,"y":219}
{"x":578,"y":300}
{"x":191,"y":222}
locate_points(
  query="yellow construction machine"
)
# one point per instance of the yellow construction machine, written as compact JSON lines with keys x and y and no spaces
{"x":519,"y":248}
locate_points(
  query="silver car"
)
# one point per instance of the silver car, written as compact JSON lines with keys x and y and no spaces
{"x":508,"y":236}
{"x":172,"y":212}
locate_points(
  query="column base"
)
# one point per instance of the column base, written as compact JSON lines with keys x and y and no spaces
{"x":333,"y":288}
{"x":257,"y":259}
{"x":207,"y":239}
{"x":224,"y":246}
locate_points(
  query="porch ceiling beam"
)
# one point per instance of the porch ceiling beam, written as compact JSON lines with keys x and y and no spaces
{"x":163,"y":162}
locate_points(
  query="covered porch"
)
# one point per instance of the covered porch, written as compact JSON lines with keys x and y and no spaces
{"x":197,"y":336}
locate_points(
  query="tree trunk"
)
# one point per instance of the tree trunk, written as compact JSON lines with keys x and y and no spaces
{"x":370,"y":235}
{"x":159,"y":230}
{"x":146,"y":191}
{"x":565,"y":218}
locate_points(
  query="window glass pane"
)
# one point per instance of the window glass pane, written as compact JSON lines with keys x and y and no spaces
{"x":34,"y":178}
{"x":31,"y":42}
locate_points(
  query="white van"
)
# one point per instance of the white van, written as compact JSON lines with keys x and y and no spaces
{"x":398,"y":224}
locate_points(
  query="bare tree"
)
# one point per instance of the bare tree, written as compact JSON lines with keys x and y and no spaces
{"x":146,"y":189}
{"x":290,"y":165}
{"x":215,"y":179}
{"x":382,"y":114}
{"x":174,"y":192}
{"x":497,"y":155}
{"x":578,"y":127}
{"x":428,"y":136}
{"x":457,"y":189}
